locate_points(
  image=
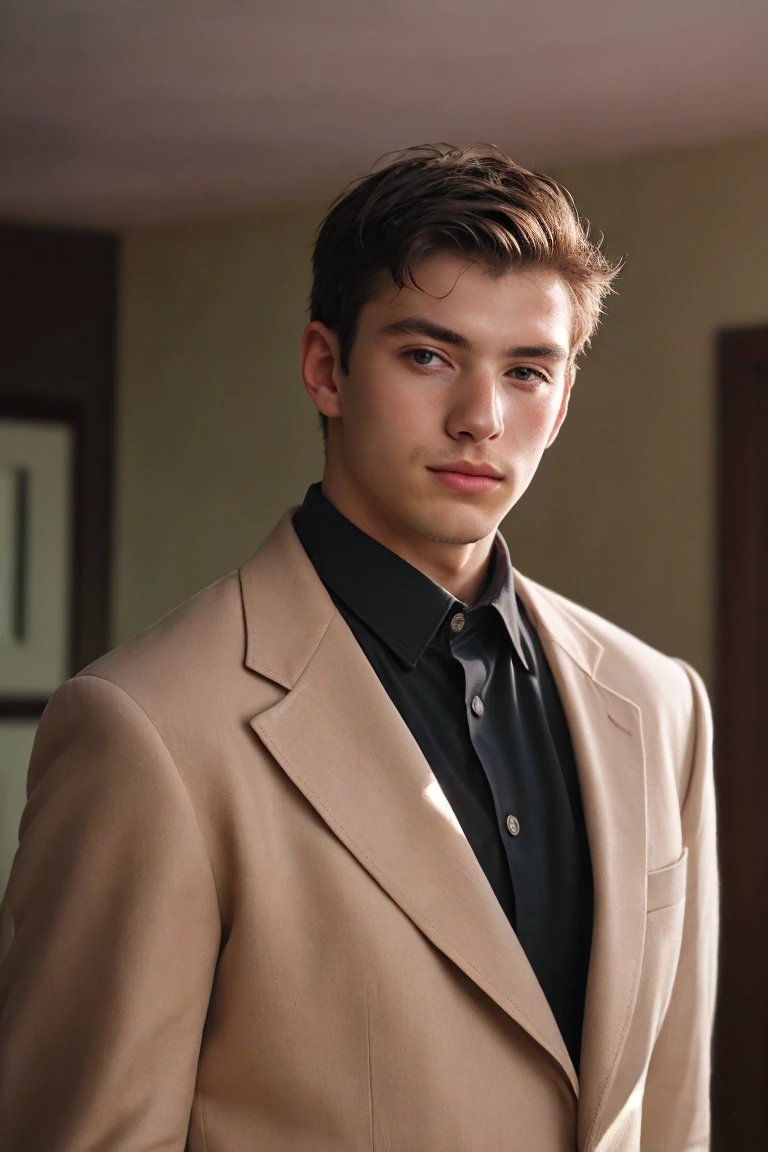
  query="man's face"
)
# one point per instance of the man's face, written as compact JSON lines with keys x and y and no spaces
{"x":468,"y":374}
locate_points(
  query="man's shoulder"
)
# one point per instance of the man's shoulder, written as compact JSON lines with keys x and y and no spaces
{"x":189,"y":656}
{"x":262,"y":618}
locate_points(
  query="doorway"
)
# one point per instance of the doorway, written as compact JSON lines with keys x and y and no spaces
{"x":740,"y":1098}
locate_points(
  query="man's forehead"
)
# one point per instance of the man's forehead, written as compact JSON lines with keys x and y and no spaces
{"x":446,"y":279}
{"x":535,"y":299}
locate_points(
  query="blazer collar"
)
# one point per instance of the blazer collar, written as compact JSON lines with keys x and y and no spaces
{"x":544,"y":607}
{"x":337,"y":725}
{"x":287,"y":609}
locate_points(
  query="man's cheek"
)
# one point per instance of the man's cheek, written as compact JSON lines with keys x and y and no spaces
{"x":404,"y":413}
{"x":530,"y":425}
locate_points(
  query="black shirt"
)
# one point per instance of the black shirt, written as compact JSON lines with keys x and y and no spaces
{"x":475,"y":689}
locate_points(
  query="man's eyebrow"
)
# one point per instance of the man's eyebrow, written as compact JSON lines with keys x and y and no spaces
{"x":420,"y":326}
{"x":539,"y":351}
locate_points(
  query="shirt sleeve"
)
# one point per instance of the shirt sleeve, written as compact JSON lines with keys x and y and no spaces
{"x":111,"y":931}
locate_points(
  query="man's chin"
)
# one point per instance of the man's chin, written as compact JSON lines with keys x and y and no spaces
{"x":458,"y":527}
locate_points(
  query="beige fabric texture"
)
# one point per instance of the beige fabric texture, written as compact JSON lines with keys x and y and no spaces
{"x":242,"y":915}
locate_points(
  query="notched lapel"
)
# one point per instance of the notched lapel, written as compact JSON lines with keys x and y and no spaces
{"x":606,"y":731}
{"x":343,"y":743}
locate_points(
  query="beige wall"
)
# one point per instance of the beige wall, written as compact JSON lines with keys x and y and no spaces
{"x":217,"y":437}
{"x":215,"y":433}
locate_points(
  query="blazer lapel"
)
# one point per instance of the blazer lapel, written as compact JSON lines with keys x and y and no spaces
{"x":606,"y":730}
{"x":338,"y":736}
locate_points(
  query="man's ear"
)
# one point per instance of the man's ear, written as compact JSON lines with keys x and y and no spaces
{"x":570,"y":380}
{"x":320,"y":367}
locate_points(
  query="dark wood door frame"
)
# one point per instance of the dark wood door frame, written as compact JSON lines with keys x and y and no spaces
{"x":740,"y":1084}
{"x":58,"y":307}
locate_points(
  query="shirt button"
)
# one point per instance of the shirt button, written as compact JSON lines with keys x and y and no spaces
{"x":457,"y":622}
{"x":477,"y":706}
{"x":513,"y":825}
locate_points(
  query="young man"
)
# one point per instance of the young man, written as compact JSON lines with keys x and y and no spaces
{"x":378,"y":844}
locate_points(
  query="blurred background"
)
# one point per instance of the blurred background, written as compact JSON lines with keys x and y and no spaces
{"x":163,"y":168}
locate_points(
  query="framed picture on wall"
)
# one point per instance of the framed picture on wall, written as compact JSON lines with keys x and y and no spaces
{"x":37,"y":464}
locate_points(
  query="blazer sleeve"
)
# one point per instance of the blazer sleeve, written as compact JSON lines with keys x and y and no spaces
{"x":676,"y":1107}
{"x":111,"y":931}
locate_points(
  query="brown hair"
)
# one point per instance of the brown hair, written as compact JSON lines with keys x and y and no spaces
{"x":435,"y":197}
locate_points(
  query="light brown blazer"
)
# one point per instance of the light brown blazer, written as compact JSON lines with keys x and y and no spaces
{"x":242,"y":916}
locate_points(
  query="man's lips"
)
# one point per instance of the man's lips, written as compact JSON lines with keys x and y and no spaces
{"x":467,"y":477}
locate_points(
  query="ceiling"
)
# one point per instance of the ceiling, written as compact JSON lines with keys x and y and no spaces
{"x":115,"y":112}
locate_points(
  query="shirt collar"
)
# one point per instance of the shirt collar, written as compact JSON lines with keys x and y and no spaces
{"x":500,"y":594}
{"x":397,"y":601}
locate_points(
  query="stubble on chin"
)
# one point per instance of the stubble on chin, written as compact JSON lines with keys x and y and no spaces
{"x":446,"y":529}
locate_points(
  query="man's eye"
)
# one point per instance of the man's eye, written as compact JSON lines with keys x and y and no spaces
{"x":424,"y":357}
{"x":528,"y":375}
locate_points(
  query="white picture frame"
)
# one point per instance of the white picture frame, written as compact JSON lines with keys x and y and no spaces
{"x":36,"y":527}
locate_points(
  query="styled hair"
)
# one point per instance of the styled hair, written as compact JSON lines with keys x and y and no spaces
{"x":475,"y":202}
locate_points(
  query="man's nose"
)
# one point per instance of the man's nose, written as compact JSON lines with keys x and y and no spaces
{"x":476,"y":408}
